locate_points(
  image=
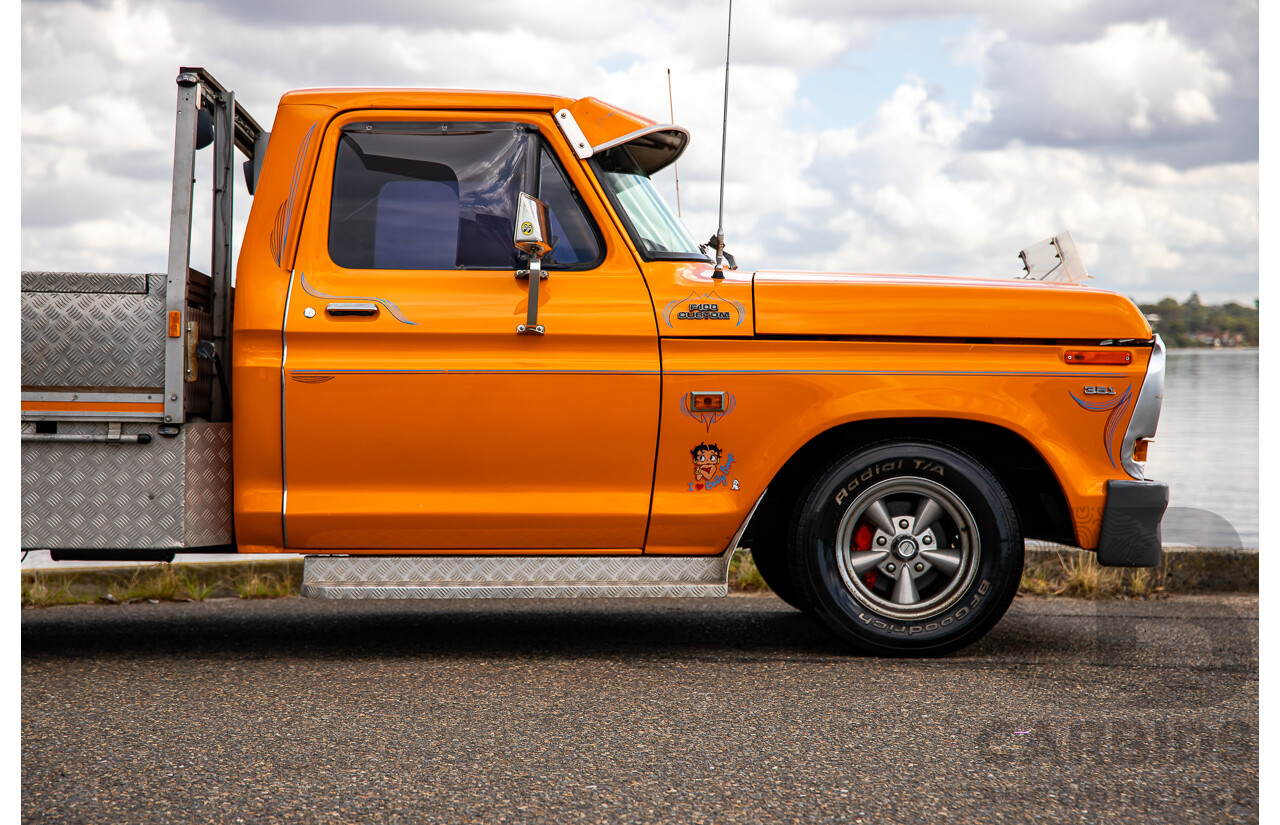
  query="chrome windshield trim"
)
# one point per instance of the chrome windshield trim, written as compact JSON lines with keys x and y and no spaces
{"x":1146,"y":413}
{"x":573,"y":133}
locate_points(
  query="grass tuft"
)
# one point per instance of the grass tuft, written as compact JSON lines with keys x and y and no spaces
{"x":255,"y":585}
{"x":198,"y":587}
{"x":44,"y":590}
{"x":744,"y":576}
{"x":1087,"y":578}
{"x":1077,"y":573}
{"x":1139,"y":583}
{"x":1036,"y":585}
{"x":163,"y":582}
{"x":159,"y":583}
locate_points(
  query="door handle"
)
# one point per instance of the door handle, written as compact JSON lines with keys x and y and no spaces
{"x":361,"y":308}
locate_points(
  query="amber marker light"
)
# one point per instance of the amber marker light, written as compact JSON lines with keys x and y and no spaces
{"x":1093,"y":356}
{"x":175,"y":324}
{"x":708,"y":402}
{"x":1140,"y":449}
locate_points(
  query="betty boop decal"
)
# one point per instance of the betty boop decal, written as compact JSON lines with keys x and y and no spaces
{"x":708,"y":471}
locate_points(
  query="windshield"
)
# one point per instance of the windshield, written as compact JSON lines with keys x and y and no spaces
{"x":653,"y":226}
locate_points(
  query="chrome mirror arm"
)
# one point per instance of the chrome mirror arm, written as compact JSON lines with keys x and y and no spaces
{"x":532,"y":233}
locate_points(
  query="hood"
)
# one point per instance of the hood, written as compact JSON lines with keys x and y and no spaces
{"x":938,"y":306}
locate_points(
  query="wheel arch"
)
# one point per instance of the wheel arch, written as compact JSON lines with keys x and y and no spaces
{"x":1037,"y":494}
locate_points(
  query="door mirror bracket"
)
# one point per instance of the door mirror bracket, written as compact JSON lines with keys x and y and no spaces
{"x":533,"y":228}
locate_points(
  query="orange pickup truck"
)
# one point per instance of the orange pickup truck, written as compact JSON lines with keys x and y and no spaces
{"x":471,"y":352}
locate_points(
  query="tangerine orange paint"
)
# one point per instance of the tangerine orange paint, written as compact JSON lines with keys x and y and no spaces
{"x":435,"y":428}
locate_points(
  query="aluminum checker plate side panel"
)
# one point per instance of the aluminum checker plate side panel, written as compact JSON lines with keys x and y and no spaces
{"x":207,"y":483}
{"x":102,"y":496}
{"x":478,"y":577}
{"x":94,"y":339}
{"x":120,"y":283}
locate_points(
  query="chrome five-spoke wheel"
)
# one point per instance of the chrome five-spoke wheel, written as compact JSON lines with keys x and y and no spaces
{"x":907,"y":548}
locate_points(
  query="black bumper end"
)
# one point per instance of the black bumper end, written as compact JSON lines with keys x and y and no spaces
{"x":1130,"y":534}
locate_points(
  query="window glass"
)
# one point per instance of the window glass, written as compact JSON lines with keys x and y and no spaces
{"x":577,"y":244}
{"x":654,"y":227}
{"x":428,"y":195}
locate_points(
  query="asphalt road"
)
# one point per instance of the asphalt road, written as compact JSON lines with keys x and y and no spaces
{"x":716,"y":710}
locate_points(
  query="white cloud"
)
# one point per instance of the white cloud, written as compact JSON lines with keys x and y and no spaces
{"x":1135,"y":79}
{"x":911,"y":196}
{"x":1131,"y":131}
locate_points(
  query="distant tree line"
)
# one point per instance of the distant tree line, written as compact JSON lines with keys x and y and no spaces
{"x":1192,"y":324}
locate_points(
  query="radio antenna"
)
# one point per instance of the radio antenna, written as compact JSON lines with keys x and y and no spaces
{"x":672,"y":102}
{"x":724,"y":143}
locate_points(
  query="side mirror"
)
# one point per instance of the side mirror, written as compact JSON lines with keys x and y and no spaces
{"x":533,"y":227}
{"x":532,"y":237}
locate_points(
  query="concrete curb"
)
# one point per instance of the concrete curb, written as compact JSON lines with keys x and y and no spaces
{"x":1185,"y":569}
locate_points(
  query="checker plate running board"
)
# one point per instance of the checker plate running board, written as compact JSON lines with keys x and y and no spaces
{"x":514,"y":577}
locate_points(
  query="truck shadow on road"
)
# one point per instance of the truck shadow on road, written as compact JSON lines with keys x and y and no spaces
{"x":754,"y":628}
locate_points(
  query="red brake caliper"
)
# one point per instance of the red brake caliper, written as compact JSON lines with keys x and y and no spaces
{"x":862,"y":541}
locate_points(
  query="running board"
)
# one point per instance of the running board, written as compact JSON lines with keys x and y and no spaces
{"x":519,"y":577}
{"x":514,"y":577}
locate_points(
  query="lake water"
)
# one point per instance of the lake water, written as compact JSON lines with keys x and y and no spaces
{"x":1206,"y":449}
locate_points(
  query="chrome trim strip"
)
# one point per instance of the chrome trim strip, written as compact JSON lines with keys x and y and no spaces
{"x":573,"y":133}
{"x":90,"y":415}
{"x":81,"y":438}
{"x":141,"y":397}
{"x":976,"y":373}
{"x":445,"y":371}
{"x":902,"y":372}
{"x":284,"y":466}
{"x":1146,"y":413}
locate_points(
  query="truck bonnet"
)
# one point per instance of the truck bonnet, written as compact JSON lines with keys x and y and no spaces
{"x":935,"y":306}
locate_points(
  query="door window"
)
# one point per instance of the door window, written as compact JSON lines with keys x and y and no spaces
{"x":443,"y":196}
{"x":428,"y":195}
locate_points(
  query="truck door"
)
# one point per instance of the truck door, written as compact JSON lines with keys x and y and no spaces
{"x":415,"y":417}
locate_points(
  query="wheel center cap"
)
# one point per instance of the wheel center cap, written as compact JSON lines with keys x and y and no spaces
{"x":906,"y":548}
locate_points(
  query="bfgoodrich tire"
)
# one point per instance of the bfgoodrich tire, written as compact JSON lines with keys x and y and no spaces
{"x":906,"y":548}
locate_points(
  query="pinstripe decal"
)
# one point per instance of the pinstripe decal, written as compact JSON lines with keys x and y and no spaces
{"x":388,"y":305}
{"x":900,"y":372}
{"x":322,"y":372}
{"x":293,"y":191}
{"x":1118,"y":406}
{"x":978,"y":373}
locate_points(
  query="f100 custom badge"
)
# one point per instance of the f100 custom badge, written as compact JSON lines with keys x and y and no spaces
{"x":703,"y":312}
{"x":707,"y":307}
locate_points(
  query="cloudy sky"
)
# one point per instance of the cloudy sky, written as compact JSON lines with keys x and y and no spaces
{"x":878,"y":136}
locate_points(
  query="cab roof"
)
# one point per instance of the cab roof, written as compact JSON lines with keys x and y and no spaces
{"x":592,"y":125}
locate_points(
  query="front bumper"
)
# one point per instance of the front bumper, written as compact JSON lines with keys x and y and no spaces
{"x":1130,"y":535}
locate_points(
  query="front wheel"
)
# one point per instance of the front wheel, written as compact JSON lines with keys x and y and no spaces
{"x":907,"y":549}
